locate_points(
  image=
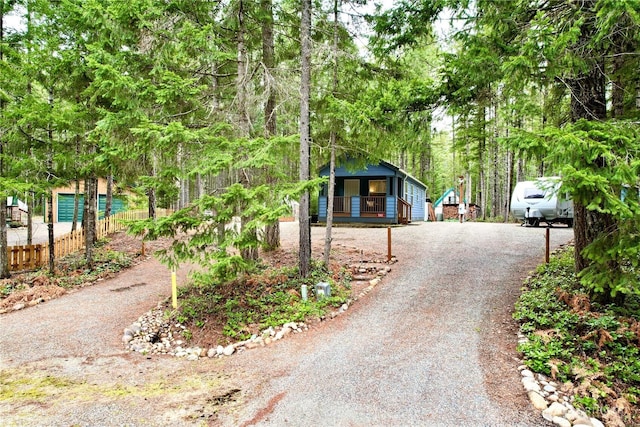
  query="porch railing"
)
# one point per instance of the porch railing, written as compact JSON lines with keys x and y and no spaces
{"x":404,"y":211}
{"x":342,"y":204}
{"x":372,"y":204}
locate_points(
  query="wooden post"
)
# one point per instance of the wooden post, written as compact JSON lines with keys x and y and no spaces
{"x":388,"y":244}
{"x":546,"y":251}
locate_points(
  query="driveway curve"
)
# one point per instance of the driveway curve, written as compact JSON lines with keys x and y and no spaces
{"x":432,"y":345}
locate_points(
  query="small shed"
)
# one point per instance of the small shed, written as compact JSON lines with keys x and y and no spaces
{"x":376,"y":193}
{"x":446,"y":207}
{"x":17,"y":212}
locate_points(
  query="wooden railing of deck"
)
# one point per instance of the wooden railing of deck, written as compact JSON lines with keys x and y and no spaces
{"x":404,"y":211}
{"x":342,"y":204}
{"x":30,"y":257}
{"x":372,"y":204}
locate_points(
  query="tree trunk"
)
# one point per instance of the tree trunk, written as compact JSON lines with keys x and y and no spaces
{"x":330,"y":200}
{"x":50,"y":173}
{"x":305,"y":138}
{"x":588,"y":101}
{"x":248,"y":253}
{"x":91,"y":217}
{"x":109,"y":197}
{"x":30,"y":207}
{"x":51,"y":236}
{"x":509,"y":185}
{"x":482,"y":176}
{"x":76,"y":204}
{"x":4,"y":258}
{"x":332,"y":143}
{"x":495,"y":182}
{"x":272,"y":231}
{"x":151,"y":191}
{"x":199,"y":186}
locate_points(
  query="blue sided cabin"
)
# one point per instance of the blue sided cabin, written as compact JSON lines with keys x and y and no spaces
{"x":381,"y":193}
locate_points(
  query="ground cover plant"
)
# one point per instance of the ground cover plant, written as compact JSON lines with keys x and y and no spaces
{"x":592,"y":348}
{"x":216,"y":312}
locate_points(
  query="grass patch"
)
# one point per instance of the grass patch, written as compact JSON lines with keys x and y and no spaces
{"x":593,"y":348}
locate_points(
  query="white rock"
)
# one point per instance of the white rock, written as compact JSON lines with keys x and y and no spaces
{"x":211,"y":353}
{"x":571,"y":415}
{"x":596,"y":422}
{"x":135,"y":327}
{"x":126,"y":338}
{"x":192,"y":357}
{"x":530,"y":384}
{"x":537,"y":400}
{"x":229,"y":350}
{"x":549,"y":388}
{"x":18,"y":306}
{"x":562,"y":422}
{"x":219,"y":350}
{"x":527,"y":373}
{"x":555,"y":410}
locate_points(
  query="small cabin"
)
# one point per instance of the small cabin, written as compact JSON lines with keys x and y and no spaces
{"x":378,"y":193}
{"x":17,"y":212}
{"x":446,"y":207}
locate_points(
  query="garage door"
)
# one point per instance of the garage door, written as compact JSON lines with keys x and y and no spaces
{"x":65,"y":207}
{"x":117,"y":205}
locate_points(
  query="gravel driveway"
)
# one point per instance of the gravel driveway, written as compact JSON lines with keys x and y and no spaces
{"x":432,"y":345}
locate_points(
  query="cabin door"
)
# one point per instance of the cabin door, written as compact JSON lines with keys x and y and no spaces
{"x":351,"y":188}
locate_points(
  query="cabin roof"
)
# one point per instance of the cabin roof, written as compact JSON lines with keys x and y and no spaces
{"x":342,"y":171}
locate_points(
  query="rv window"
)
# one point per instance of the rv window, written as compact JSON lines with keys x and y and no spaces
{"x":533,"y":193}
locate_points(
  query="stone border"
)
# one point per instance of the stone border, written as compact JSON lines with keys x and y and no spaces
{"x":153,"y":334}
{"x":549,"y":397}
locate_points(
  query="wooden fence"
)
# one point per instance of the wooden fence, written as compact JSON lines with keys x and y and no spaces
{"x":29,"y":257}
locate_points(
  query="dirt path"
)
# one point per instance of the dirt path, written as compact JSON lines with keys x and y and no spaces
{"x":432,"y":345}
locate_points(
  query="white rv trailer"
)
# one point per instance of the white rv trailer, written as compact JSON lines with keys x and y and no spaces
{"x":539,"y":201}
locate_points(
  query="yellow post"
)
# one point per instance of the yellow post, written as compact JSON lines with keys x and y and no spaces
{"x":174,"y":289}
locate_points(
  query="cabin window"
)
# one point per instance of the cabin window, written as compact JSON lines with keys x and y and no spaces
{"x":377,"y":187}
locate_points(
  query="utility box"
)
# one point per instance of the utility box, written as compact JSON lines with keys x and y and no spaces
{"x":323,"y":289}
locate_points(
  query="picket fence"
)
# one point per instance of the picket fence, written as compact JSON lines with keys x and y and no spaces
{"x":30,"y":257}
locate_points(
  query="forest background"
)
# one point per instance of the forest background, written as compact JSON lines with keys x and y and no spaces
{"x":224,"y":108}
